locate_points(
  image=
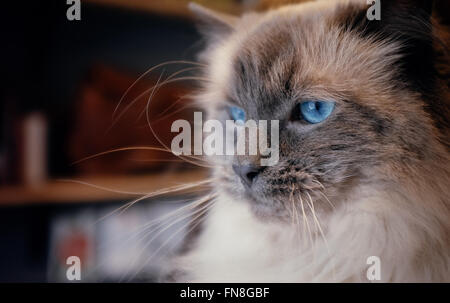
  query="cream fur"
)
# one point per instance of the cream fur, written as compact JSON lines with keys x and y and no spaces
{"x":405,"y":222}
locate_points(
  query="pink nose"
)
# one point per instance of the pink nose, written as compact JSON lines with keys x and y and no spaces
{"x":247,"y":173}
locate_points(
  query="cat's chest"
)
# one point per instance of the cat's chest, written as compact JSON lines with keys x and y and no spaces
{"x":232,"y":233}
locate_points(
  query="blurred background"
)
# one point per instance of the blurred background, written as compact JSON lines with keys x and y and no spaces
{"x":68,"y":92}
{"x":61,"y":101}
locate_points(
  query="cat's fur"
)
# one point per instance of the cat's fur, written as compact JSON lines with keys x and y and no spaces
{"x":381,"y":159}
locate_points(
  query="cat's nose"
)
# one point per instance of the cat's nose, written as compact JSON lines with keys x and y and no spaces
{"x":247,"y":173}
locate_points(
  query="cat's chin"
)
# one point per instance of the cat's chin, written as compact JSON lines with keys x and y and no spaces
{"x":267,"y":209}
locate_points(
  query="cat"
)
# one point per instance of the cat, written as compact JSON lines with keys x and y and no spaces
{"x":366,"y":179}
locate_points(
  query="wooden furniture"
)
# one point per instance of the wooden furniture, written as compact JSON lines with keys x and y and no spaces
{"x":95,"y":188}
{"x":177,"y":8}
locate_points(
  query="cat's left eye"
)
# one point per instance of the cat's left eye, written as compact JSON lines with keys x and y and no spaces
{"x":237,"y":114}
{"x":315,"y":111}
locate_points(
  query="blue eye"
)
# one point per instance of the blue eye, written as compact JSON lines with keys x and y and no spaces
{"x":237,"y":114}
{"x":316,"y":111}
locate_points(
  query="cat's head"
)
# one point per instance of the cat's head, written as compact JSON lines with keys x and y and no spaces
{"x":356,"y":99}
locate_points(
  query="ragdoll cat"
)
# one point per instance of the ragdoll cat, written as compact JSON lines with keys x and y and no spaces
{"x":364,"y":151}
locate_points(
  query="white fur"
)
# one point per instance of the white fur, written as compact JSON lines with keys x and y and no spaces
{"x":407,"y":231}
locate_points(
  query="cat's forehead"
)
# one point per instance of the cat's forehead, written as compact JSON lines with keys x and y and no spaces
{"x":298,"y":47}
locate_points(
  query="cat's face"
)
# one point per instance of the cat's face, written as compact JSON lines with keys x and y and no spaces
{"x":273,"y":66}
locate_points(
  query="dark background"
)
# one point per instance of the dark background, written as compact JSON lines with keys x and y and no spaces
{"x":44,"y":57}
{"x":44,"y":60}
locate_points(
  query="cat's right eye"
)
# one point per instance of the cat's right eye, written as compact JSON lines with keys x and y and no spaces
{"x":237,"y":114}
{"x":314,"y":111}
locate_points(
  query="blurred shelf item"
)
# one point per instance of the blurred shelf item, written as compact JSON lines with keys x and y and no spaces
{"x":93,"y":131}
{"x":96,"y":189}
{"x":173,"y":7}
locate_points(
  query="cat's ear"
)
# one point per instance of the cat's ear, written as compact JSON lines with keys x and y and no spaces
{"x":398,"y":17}
{"x":423,"y":8}
{"x":407,"y":16}
{"x":408,"y":23}
{"x":213,"y":25}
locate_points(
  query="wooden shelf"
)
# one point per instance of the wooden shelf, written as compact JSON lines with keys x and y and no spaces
{"x":171,"y":7}
{"x":102,"y":188}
